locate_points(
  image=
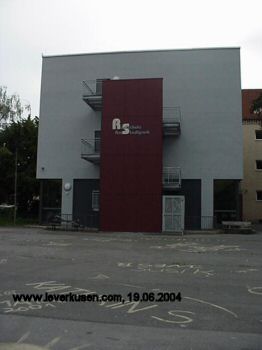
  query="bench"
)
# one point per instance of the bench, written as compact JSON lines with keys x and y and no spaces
{"x":237,"y":226}
{"x":55,"y":222}
{"x":58,"y":221}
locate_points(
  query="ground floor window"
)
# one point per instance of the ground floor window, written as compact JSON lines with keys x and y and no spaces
{"x":95,"y":200}
{"x":227,"y":200}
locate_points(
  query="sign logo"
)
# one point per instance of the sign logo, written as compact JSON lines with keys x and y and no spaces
{"x":121,"y":128}
{"x":127,"y":129}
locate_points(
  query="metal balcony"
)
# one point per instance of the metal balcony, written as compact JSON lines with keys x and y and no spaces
{"x":90,"y":150}
{"x":171,"y":178}
{"x":171,"y":121}
{"x":92,"y":93}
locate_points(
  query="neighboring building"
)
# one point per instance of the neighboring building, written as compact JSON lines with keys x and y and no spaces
{"x":252,"y":181}
{"x":141,"y":141}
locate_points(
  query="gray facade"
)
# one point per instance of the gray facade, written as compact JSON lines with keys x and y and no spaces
{"x":204,"y":83}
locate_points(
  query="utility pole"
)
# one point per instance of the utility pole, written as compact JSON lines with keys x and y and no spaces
{"x":15,"y":195}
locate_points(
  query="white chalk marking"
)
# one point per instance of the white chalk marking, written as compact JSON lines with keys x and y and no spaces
{"x":179,"y":314}
{"x":113,"y":306}
{"x":214,"y":305}
{"x":129,"y":285}
{"x":121,"y":264}
{"x":56,"y":244}
{"x":49,"y":286}
{"x":24,"y":337}
{"x":132,"y":306}
{"x":52,"y":342}
{"x":247,"y":270}
{"x":7,"y":302}
{"x":196,"y":248}
{"x":255,"y":290}
{"x":100,"y":276}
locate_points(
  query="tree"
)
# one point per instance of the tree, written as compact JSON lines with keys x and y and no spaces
{"x":256,"y":107}
{"x":6,"y":177}
{"x":11,"y":108}
{"x":21,"y":137}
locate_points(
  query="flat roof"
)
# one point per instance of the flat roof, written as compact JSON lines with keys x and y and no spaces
{"x":142,"y":51}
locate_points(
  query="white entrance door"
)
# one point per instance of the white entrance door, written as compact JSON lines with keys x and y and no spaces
{"x":173,"y":213}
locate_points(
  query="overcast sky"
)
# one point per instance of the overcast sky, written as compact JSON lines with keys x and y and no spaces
{"x":29,"y":28}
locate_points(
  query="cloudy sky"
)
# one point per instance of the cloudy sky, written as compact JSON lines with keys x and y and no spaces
{"x":30,"y":28}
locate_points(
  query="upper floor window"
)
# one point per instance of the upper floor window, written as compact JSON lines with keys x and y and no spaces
{"x":258,"y":134}
{"x":258,"y":164}
{"x":259,"y":195}
{"x":97,"y":140}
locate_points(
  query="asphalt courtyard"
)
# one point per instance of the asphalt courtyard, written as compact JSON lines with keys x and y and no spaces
{"x":218,"y":277}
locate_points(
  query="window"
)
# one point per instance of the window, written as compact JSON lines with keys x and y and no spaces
{"x":259,"y":164}
{"x":97,"y":140}
{"x":258,"y":134}
{"x":259,"y":195}
{"x":95,"y":200}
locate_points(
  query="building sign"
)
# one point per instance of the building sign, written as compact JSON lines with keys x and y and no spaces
{"x":131,"y":156}
{"x":127,"y":128}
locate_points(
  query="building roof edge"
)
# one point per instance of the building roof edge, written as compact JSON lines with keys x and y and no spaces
{"x":140,"y":51}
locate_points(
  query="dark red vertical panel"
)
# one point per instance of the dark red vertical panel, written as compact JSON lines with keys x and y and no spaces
{"x":131,"y":164}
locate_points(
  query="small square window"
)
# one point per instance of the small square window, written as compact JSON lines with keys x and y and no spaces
{"x":258,"y":134}
{"x":259,"y":164}
{"x":259,"y":195}
{"x":95,"y":200}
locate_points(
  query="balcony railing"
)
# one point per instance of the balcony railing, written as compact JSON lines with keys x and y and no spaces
{"x":171,"y":121}
{"x":90,"y":150}
{"x":171,"y":177}
{"x":92,"y":93}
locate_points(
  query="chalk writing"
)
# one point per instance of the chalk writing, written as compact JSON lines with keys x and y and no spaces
{"x":57,"y":244}
{"x":196,"y":248}
{"x":180,"y":316}
{"x":24,"y":343}
{"x":246,"y":270}
{"x":100,"y":276}
{"x":11,"y":306}
{"x":7,"y":292}
{"x":168,"y":268}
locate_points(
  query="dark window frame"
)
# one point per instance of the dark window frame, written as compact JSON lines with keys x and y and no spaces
{"x":258,"y":133}
{"x":96,"y":200}
{"x":259,"y":161}
{"x":259,"y":194}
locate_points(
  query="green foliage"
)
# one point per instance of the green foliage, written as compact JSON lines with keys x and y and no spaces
{"x":11,"y":108}
{"x":6,"y":177}
{"x":21,"y":137}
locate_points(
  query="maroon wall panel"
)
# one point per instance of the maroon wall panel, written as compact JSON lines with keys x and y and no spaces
{"x":131,"y":163}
